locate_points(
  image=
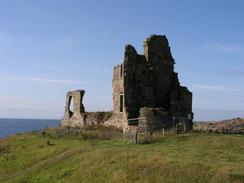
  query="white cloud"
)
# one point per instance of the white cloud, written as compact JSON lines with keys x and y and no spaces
{"x":45,"y":80}
{"x":30,"y":107}
{"x":6,"y":35}
{"x":233,"y":72}
{"x":227,"y":48}
{"x":217,"y":88}
{"x":210,"y":114}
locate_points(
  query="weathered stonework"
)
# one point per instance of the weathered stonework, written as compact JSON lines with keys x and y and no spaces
{"x":76,"y":117}
{"x":80,"y":118}
{"x":147,"y":95}
{"x":153,"y":119}
{"x":146,"y":90}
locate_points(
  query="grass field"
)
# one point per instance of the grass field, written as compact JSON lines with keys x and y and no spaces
{"x":38,"y":157}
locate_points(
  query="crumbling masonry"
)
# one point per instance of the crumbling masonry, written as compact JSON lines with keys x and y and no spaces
{"x":146,"y":92}
{"x":78,"y":117}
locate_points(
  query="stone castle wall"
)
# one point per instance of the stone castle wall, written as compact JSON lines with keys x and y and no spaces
{"x":74,"y":118}
{"x":150,"y":81}
{"x":146,"y":93}
{"x":78,"y":117}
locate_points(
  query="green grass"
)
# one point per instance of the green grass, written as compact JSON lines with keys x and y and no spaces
{"x":37,"y":157}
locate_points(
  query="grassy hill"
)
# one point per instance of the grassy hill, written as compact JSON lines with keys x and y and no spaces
{"x":44,"y":157}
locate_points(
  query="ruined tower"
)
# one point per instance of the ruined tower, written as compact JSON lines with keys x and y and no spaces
{"x":146,"y":90}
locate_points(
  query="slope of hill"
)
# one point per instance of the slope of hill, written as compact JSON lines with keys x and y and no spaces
{"x":43,"y":157}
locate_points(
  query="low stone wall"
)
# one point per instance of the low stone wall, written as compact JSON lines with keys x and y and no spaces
{"x":85,"y":119}
{"x":95,"y":118}
{"x":117,"y":120}
{"x":152,"y":119}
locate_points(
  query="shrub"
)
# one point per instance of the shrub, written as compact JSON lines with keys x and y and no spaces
{"x":48,"y":142}
{"x":4,"y":149}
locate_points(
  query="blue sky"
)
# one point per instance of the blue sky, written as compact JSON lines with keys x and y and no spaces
{"x":49,"y":47}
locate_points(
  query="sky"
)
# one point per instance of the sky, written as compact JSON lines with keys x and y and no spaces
{"x":49,"y":47}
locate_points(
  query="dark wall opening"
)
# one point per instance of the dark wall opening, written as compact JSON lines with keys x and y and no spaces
{"x":71,"y":104}
{"x":121,"y":100}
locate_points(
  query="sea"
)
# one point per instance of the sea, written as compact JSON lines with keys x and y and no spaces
{"x":10,"y":127}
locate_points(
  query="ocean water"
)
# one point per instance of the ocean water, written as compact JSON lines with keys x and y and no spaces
{"x":12,"y":126}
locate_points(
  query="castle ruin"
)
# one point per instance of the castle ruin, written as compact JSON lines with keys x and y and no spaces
{"x":146,"y":92}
